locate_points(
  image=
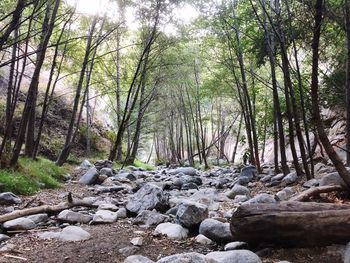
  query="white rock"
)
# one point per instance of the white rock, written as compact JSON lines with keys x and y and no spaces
{"x":137,"y":241}
{"x":202,"y":239}
{"x":234,"y":256}
{"x":137,"y":259}
{"x":21,"y":223}
{"x":172,"y":231}
{"x":105,"y":216}
{"x":68,"y":234}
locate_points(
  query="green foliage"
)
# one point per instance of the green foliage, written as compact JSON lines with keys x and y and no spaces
{"x":31,"y":176}
{"x":146,"y":166}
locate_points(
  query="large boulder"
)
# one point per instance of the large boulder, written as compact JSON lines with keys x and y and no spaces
{"x":192,"y":257}
{"x":234,"y":256}
{"x":90,"y":177}
{"x":73,"y":217}
{"x":172,"y":231}
{"x":290,"y":178}
{"x":105,"y":216}
{"x":190,"y":214}
{"x":148,"y":197}
{"x":262,"y":198}
{"x":215,"y":230}
{"x":332,"y":179}
{"x":9,"y":198}
{"x":249,"y":172}
{"x":21,"y":223}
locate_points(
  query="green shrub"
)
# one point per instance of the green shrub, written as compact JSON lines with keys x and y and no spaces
{"x":145,"y":166}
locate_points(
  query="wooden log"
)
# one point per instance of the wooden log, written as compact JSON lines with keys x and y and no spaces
{"x":51,"y":209}
{"x":292,"y":224}
{"x":303,"y":196}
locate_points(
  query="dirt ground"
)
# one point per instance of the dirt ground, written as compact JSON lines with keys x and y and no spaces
{"x":107,"y":239}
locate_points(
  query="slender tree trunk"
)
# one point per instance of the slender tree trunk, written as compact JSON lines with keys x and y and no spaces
{"x":347,"y":84}
{"x":337,"y":162}
{"x":237,"y":139}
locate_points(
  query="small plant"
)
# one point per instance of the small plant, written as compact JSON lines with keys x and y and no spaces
{"x":147,"y":167}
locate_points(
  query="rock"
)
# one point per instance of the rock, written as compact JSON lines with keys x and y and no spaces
{"x":3,"y":237}
{"x":89,"y":177}
{"x":9,"y":198}
{"x":137,"y":241}
{"x":240,"y":198}
{"x":73,"y":217}
{"x":238,"y":190}
{"x":109,"y":189}
{"x":216,"y":230}
{"x":234,"y":256}
{"x":202,"y":239}
{"x":127,"y":175}
{"x":192,"y":257}
{"x":185,"y":170}
{"x":108,"y":206}
{"x":190,"y":214}
{"x":290,"y":178}
{"x":266,"y":178}
{"x":189,"y":186}
{"x":128,"y":251}
{"x":107,"y":171}
{"x":172,"y":231}
{"x":103,"y":164}
{"x":137,"y":259}
{"x":332,"y":179}
{"x":121,"y":213}
{"x":261,"y":198}
{"x":284,"y":194}
{"x":311,"y":183}
{"x":346,"y":255}
{"x":277,"y":178}
{"x":149,"y":218}
{"x":105,"y":216}
{"x":21,"y":223}
{"x":38,"y":218}
{"x":69,"y":234}
{"x":85,"y":164}
{"x":242,"y":180}
{"x":148,"y":197}
{"x":235,"y":245}
{"x":249,"y":172}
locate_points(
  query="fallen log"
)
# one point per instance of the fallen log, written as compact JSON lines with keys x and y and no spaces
{"x":50,"y":209}
{"x":292,"y":224}
{"x":305,"y":195}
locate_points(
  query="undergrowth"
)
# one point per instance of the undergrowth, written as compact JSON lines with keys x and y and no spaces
{"x":30,"y":176}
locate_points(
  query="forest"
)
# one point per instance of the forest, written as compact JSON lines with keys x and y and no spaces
{"x":149,"y":107}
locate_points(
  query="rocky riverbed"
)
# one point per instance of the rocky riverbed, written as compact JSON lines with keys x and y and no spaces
{"x":167,"y":215}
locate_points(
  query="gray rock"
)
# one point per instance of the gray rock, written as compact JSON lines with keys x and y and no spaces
{"x":128,"y":251}
{"x":311,"y":183}
{"x":121,"y":213}
{"x":266,"y":178}
{"x":68,"y":234}
{"x":243,"y":180}
{"x":190,"y":214}
{"x":108,"y":206}
{"x":332,"y":179}
{"x":249,"y":171}
{"x":103,"y":164}
{"x":189,"y":186}
{"x":240,"y":198}
{"x":9,"y":198}
{"x":73,"y":217}
{"x":107,"y":171}
{"x":21,"y":223}
{"x":3,"y":237}
{"x":185,"y":170}
{"x":216,"y":231}
{"x":127,"y":175}
{"x":284,"y":194}
{"x":137,"y":259}
{"x":148,"y":197}
{"x":39,"y":218}
{"x":277,"y":178}
{"x":290,"y":178}
{"x":346,"y":254}
{"x":150,"y":218}
{"x":89,"y":177}
{"x":202,"y":239}
{"x":172,"y":231}
{"x":105,"y":216}
{"x":187,"y":258}
{"x":235,"y":245}
{"x":261,"y":199}
{"x":234,"y":256}
{"x":137,"y":241}
{"x":238,"y":190}
{"x":85,"y":164}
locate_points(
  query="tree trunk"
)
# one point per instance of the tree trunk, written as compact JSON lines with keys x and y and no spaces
{"x":347,"y":84}
{"x":337,"y":162}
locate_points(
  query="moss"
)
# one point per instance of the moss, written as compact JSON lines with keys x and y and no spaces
{"x":31,"y":176}
{"x":145,"y":166}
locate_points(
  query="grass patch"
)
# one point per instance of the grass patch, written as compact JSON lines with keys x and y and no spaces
{"x":31,"y":176}
{"x":146,"y":166}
